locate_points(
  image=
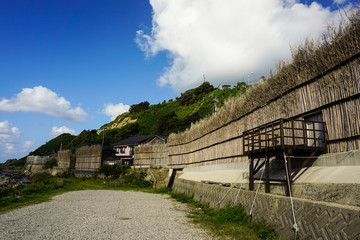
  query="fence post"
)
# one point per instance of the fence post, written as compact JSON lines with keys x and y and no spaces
{"x":251,"y":174}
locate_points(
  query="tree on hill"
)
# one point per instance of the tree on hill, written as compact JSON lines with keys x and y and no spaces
{"x":140,"y":107}
{"x":196,"y":94}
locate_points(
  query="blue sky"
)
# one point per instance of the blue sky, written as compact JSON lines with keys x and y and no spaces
{"x":66,"y":65}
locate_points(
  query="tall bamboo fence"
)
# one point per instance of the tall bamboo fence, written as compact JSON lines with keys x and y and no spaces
{"x":336,"y":95}
{"x":151,"y":156}
{"x":66,"y":160}
{"x":88,"y":158}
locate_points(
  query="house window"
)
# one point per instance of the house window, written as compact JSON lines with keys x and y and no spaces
{"x":315,"y":127}
{"x":122,"y":149}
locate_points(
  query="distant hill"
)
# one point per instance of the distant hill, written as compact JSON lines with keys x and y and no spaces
{"x":170,"y":116}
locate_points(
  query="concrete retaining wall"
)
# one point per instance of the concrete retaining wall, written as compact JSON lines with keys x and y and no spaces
{"x":330,"y":178}
{"x":316,"y":220}
{"x":37,"y":160}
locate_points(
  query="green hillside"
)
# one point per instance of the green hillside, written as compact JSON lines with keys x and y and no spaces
{"x":142,"y":119}
{"x":54,"y":144}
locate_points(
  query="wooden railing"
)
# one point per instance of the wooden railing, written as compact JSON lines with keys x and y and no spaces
{"x":285,"y":134}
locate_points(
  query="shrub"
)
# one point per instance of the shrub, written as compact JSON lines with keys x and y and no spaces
{"x":136,"y":179}
{"x":66,"y":174}
{"x":21,"y":162}
{"x":7,"y":191}
{"x":263,"y":231}
{"x":50,"y":164}
{"x":113,"y":170}
{"x":41,"y":178}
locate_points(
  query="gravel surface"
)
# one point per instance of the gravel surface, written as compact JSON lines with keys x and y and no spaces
{"x":101,"y":214}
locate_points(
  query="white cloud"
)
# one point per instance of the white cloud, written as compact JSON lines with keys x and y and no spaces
{"x":28,"y":145}
{"x":114,"y":110}
{"x":8,"y":134}
{"x":42,"y":100}
{"x":11,"y":142}
{"x":56,"y":131}
{"x":340,"y":1}
{"x":227,"y":40}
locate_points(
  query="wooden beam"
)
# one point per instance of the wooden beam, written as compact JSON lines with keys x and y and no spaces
{"x":261,"y":165}
{"x":303,"y":165}
{"x":267,"y":175}
{"x":257,"y":163}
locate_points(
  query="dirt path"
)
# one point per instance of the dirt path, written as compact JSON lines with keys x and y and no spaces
{"x":101,"y":215}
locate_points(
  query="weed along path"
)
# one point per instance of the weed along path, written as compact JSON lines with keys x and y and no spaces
{"x":101,"y":214}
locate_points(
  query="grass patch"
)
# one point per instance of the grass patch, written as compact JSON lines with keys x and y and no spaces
{"x":230,"y":222}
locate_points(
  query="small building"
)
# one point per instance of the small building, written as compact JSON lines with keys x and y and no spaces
{"x":109,"y":156}
{"x":125,"y":148}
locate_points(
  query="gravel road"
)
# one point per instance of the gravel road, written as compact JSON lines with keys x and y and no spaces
{"x":101,"y":214}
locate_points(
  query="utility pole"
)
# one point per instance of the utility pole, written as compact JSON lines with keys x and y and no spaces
{"x":102,"y":144}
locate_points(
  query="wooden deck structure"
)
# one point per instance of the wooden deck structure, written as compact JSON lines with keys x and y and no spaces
{"x":282,"y":139}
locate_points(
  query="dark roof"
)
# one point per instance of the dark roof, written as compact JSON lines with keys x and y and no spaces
{"x":138,"y":140}
{"x":107,"y":148}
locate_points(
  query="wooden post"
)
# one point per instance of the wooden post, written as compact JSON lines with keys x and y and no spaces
{"x":325,"y":136}
{"x":293,"y":133}
{"x":267,"y":174}
{"x":304,"y":134}
{"x":314,"y":130}
{"x":282,"y":133}
{"x":251,"y":174}
{"x":266,"y":139}
{"x":252,"y":141}
{"x":273,"y":136}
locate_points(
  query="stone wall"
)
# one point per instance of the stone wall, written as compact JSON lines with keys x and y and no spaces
{"x":316,"y":220}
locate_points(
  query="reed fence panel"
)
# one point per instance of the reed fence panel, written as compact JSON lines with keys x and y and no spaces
{"x":88,"y":158}
{"x":151,"y":155}
{"x":65,"y":159}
